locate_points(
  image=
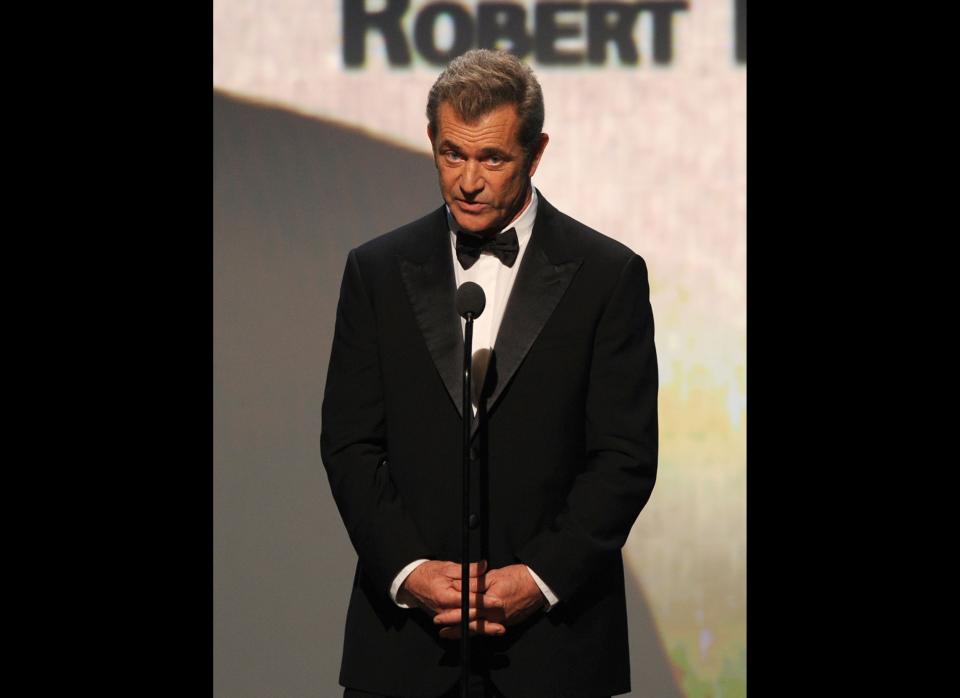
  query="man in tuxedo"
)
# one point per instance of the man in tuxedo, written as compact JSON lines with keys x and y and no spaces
{"x":564,"y":420}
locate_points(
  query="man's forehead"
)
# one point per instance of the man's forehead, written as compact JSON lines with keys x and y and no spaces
{"x":498,"y":123}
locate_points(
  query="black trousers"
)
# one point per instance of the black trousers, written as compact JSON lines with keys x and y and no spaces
{"x":479,"y":687}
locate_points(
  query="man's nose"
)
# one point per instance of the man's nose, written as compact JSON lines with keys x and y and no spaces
{"x":471,"y":180}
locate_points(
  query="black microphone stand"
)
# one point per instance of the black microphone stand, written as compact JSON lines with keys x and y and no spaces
{"x":464,"y":519}
{"x":470,"y":304}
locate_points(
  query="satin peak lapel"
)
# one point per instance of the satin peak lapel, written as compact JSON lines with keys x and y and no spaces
{"x":430,"y":284}
{"x":545,"y":273}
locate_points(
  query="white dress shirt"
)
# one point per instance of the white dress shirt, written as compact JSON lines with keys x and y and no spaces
{"x":496,"y":279}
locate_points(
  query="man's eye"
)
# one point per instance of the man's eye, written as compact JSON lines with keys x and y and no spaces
{"x":495,"y":160}
{"x":450,"y":155}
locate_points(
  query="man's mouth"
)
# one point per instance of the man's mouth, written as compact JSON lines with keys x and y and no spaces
{"x":471,"y":207}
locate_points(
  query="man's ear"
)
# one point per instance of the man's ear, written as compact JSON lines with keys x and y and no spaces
{"x":538,"y":153}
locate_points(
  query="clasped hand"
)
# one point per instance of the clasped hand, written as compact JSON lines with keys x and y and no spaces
{"x":498,"y":598}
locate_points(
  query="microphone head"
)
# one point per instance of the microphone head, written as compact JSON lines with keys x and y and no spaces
{"x":470,"y":300}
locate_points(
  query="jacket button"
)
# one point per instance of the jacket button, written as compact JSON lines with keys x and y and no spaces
{"x":473,"y":521}
{"x":383,"y":461}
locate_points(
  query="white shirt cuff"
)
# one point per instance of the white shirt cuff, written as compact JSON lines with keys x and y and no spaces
{"x":552,"y":599}
{"x":398,"y":580}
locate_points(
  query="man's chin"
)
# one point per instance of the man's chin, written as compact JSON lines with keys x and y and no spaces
{"x":475,"y":224}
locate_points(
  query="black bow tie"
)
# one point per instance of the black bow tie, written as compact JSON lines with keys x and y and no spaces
{"x":470,"y":245}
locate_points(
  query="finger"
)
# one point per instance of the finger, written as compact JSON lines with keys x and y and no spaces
{"x":476,"y":583}
{"x":452,"y":615}
{"x":475,"y":569}
{"x":451,"y":599}
{"x":452,"y":632}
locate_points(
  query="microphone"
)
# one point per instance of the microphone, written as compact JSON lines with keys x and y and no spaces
{"x":470,"y":300}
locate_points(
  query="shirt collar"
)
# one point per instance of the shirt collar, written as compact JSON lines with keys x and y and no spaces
{"x":523,"y":224}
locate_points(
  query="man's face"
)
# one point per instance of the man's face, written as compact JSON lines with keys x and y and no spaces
{"x":482,"y":170}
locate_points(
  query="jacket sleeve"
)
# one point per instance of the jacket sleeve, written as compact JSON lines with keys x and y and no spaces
{"x":621,"y":444}
{"x":353,"y":441}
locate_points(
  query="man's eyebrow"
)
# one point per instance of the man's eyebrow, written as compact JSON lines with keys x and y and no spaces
{"x":447,"y":143}
{"x":484,"y":152}
{"x":493,"y":150}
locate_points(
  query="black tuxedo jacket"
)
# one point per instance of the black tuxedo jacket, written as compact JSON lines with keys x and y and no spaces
{"x":564,"y":452}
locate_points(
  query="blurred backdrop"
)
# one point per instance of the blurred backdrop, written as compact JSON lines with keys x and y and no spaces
{"x":320,"y":144}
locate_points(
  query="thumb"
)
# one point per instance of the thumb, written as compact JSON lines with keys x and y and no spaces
{"x":475,"y":569}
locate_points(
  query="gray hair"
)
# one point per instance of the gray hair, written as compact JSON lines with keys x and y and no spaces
{"x":482,"y":80}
